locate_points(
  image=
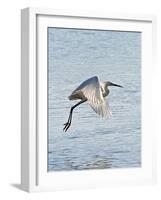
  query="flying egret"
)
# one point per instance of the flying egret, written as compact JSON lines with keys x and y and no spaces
{"x":94,"y":92}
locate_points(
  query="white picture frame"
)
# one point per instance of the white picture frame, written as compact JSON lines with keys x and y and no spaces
{"x":34,"y":175}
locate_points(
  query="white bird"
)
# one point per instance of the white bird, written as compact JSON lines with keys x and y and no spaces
{"x":94,"y":92}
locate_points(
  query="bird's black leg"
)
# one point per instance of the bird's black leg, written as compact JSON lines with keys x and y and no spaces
{"x":67,"y":125}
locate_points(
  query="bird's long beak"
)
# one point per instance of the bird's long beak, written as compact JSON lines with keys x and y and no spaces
{"x":113,"y":84}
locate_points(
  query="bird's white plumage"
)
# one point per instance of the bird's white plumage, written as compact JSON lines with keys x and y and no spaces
{"x":94,"y":92}
{"x":91,"y":90}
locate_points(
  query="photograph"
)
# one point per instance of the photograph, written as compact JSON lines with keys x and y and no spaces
{"x":93,"y":99}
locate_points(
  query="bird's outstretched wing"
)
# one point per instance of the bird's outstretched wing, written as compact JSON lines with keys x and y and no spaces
{"x":91,"y":89}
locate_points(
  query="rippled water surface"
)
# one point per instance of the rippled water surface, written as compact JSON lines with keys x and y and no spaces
{"x":92,"y":142}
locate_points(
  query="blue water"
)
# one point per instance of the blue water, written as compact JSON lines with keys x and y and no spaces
{"x":92,"y":142}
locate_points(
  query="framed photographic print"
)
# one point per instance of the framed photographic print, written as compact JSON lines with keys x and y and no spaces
{"x":86,"y":103}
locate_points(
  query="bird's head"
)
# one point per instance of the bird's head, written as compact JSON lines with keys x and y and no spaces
{"x":108,"y":83}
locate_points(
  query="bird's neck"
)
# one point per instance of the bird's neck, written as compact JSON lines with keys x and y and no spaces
{"x":105,"y":90}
